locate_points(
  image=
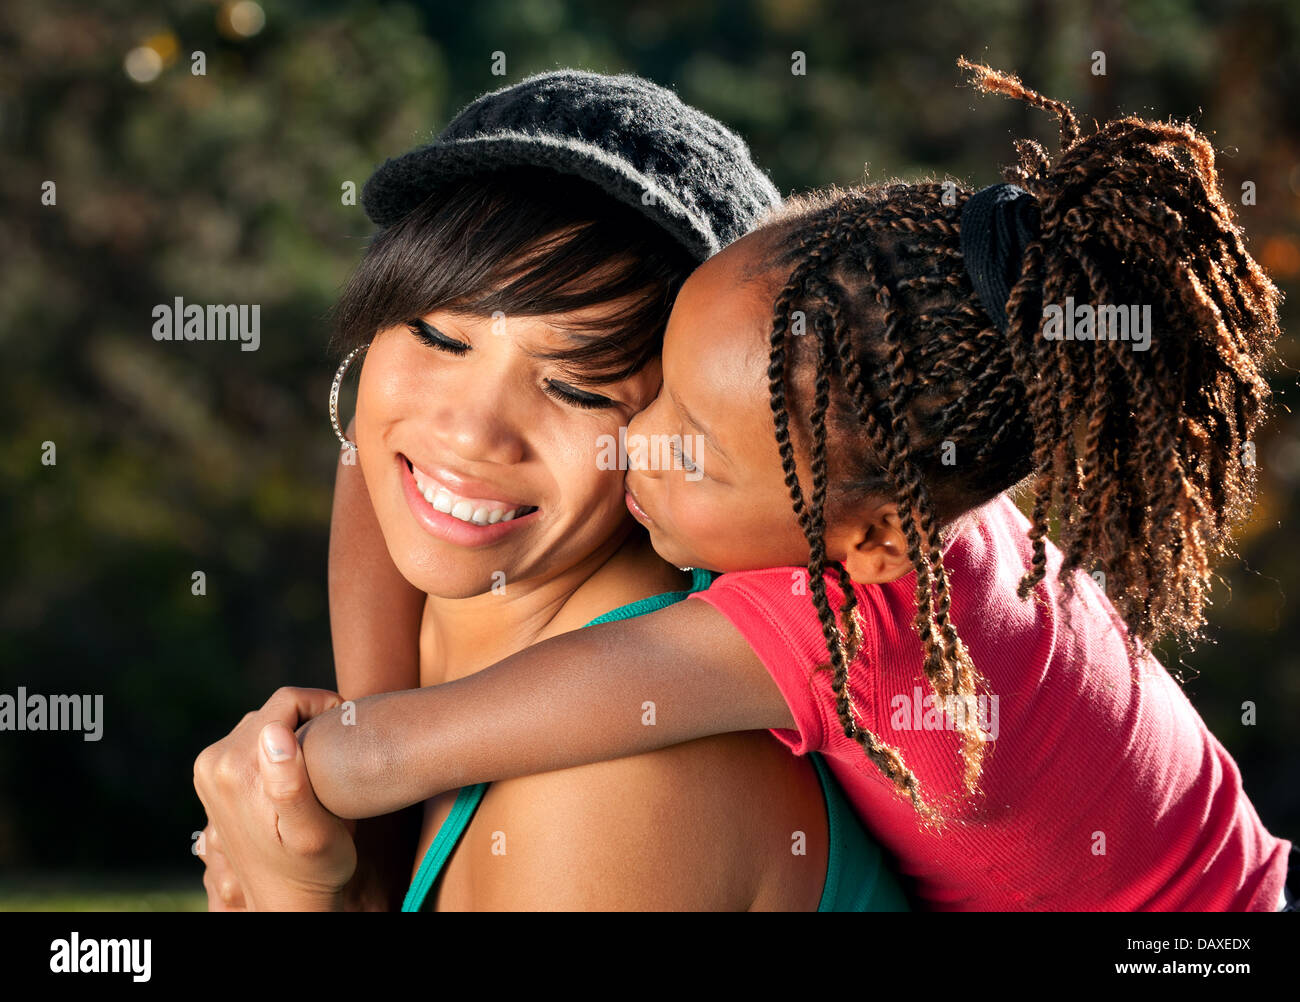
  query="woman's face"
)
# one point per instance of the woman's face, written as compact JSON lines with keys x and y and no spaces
{"x":458,"y":426}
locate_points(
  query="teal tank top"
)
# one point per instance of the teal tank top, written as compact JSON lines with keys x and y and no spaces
{"x":858,"y":878}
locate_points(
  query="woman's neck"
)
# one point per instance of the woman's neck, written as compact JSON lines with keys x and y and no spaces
{"x":459,"y":637}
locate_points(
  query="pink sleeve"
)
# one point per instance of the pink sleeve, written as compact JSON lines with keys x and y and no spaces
{"x":758,"y":603}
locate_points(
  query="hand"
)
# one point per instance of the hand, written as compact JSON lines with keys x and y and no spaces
{"x":219,"y":878}
{"x":287,"y":852}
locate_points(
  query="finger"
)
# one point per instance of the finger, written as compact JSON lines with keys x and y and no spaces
{"x":303,"y":824}
{"x":219,"y":878}
{"x":224,"y":892}
{"x":291,"y":705}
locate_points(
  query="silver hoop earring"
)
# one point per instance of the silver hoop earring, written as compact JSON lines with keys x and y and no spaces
{"x":334,"y":397}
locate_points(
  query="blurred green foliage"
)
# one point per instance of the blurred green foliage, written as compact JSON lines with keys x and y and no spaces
{"x":74,"y":891}
{"x":225,"y":187}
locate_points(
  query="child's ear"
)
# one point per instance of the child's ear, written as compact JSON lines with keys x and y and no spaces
{"x":873,"y":546}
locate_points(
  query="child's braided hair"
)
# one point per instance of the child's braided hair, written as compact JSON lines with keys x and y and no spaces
{"x":1136,"y":456}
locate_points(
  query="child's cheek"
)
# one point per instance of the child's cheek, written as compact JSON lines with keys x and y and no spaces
{"x":701,"y":521}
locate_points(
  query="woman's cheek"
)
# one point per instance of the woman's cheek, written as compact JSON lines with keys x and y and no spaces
{"x":586,"y":468}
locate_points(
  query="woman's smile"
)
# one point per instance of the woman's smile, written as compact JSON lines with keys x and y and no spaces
{"x":455,"y":517}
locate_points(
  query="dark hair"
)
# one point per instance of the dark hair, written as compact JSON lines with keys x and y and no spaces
{"x":527,"y":242}
{"x":1135,"y":455}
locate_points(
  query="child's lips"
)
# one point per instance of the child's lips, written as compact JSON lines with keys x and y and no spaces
{"x":635,"y":508}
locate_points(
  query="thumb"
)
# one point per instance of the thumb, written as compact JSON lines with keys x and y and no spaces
{"x":302,"y":821}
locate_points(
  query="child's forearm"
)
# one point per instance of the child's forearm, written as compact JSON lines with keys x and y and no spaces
{"x":603,"y":692}
{"x":375,"y":613}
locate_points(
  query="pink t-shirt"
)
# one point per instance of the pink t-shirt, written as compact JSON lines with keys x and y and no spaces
{"x":1102,"y":787}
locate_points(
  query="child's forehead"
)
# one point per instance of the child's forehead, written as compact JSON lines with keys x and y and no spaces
{"x":719,"y":330}
{"x":727,"y":301}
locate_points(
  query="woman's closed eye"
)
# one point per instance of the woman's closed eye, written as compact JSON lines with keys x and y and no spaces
{"x":563,"y":392}
{"x":575,"y":397}
{"x":435,"y":338}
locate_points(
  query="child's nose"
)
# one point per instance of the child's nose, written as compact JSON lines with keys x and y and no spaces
{"x":643,"y":420}
{"x":640,"y":438}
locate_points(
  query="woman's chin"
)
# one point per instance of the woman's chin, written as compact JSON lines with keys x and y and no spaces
{"x":449,"y":579}
{"x":465,"y":587}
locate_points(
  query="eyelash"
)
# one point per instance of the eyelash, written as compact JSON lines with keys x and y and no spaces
{"x":434,"y":338}
{"x":680,"y":456}
{"x":593,"y":403}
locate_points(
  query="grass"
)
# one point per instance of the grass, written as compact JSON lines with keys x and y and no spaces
{"x":99,"y":892}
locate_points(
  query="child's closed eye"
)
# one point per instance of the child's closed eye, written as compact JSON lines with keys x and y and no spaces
{"x":679,"y":454}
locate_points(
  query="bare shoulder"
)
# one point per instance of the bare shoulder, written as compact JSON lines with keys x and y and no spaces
{"x":730,"y":822}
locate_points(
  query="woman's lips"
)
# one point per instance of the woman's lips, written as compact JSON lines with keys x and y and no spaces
{"x":458,"y":486}
{"x":446,"y":526}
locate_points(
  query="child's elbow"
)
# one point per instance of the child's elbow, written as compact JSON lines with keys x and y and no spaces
{"x":339,"y":765}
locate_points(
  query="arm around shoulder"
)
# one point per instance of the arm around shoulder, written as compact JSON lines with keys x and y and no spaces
{"x":606,"y":691}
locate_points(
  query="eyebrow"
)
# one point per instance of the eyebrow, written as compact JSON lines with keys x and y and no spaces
{"x":708,"y":436}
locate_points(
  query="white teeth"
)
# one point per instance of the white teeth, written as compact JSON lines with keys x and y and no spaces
{"x":446,"y":502}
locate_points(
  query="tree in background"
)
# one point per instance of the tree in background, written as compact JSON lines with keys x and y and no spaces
{"x":229,"y":187}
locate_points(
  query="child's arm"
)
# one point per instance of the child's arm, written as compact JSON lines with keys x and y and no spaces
{"x":574,"y":699}
{"x":375,"y":613}
{"x":375,"y":618}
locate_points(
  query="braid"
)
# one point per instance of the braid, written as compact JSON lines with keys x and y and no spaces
{"x":829,"y":326}
{"x":1133,"y":456}
{"x":1133,"y":214}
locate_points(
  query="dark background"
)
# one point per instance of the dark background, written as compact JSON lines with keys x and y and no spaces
{"x":225,"y":188}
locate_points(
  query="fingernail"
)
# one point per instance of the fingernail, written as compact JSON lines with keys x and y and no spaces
{"x":275,"y":739}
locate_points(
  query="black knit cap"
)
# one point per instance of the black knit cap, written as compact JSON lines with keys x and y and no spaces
{"x":633,"y":139}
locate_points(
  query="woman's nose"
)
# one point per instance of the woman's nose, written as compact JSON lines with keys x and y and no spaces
{"x":482,"y":427}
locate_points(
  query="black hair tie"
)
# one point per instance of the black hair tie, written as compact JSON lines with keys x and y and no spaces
{"x":997,"y":224}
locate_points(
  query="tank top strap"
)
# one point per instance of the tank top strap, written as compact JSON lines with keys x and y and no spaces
{"x":462,"y":811}
{"x":700,"y":581}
